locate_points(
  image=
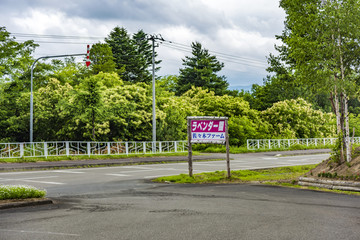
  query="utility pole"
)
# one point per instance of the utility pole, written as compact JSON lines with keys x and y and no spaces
{"x":153,"y":38}
{"x":31,"y":88}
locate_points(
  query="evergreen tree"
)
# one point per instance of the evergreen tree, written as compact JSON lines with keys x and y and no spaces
{"x":144,"y":56}
{"x":132,"y":54}
{"x":200,"y":70}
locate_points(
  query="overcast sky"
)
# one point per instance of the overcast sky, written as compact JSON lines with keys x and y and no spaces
{"x":240,"y":32}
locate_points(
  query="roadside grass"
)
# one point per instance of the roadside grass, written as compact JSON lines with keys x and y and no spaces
{"x":20,"y":192}
{"x":282,"y":174}
{"x":86,"y":157}
{"x":207,"y":148}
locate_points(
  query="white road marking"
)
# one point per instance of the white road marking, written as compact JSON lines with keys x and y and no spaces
{"x":157,"y":176}
{"x":67,"y":171}
{"x":38,"y":232}
{"x":150,"y":170}
{"x":55,"y":183}
{"x":208,"y":165}
{"x":136,"y":167}
{"x":33,"y":180}
{"x":117,"y":175}
{"x":22,"y":179}
{"x":22,"y":173}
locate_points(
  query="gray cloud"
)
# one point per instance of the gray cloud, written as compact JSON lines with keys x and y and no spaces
{"x":237,"y":27}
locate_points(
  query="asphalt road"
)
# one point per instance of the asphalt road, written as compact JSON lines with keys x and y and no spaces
{"x":121,"y":203}
{"x":87,"y":180}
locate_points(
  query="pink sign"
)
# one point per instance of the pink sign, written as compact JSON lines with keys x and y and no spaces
{"x":208,"y":130}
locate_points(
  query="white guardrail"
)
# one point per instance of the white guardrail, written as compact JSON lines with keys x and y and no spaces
{"x":71,"y":148}
{"x":254,"y":144}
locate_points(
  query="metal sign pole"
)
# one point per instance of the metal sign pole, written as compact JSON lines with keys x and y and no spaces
{"x":189,"y":148}
{"x":227,"y":149}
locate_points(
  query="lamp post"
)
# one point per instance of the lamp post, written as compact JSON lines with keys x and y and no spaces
{"x":31,"y":87}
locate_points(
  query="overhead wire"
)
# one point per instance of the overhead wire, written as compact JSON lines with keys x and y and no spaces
{"x":251,"y":62}
{"x":224,"y":57}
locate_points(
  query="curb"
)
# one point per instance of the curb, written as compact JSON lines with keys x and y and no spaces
{"x":330,"y":184}
{"x":25,"y":203}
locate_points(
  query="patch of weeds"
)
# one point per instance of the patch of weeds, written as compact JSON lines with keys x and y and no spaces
{"x":20,"y":192}
{"x":273,"y":174}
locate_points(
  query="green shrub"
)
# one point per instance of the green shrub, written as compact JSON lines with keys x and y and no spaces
{"x":20,"y":192}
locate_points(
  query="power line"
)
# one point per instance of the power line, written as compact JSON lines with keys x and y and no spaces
{"x":54,"y":36}
{"x":180,"y":45}
{"x":251,"y":62}
{"x":223,"y":57}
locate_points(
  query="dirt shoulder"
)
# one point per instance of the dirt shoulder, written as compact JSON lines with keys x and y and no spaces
{"x":345,"y":171}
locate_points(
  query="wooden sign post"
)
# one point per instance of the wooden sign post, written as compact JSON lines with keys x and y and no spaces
{"x":213,"y":130}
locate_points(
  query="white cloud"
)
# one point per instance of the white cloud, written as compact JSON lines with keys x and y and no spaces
{"x":236,"y":27}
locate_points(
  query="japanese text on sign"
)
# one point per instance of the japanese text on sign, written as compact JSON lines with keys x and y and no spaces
{"x":207,"y":130}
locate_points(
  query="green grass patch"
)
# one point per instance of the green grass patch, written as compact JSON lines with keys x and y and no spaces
{"x":86,"y":157}
{"x":282,"y":176}
{"x":288,"y":174}
{"x":207,"y":148}
{"x":20,"y":192}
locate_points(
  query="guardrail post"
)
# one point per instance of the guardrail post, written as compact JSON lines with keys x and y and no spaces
{"x":45,"y":150}
{"x":160,"y":150}
{"x":269,"y":144}
{"x":88,"y":149}
{"x":258,"y":144}
{"x":67,"y":150}
{"x":108,"y":148}
{"x":144,"y":147}
{"x":175,"y":145}
{"x":127,"y":148}
{"x":21,"y":149}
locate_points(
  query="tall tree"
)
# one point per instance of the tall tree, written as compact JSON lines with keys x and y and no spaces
{"x":144,"y":53}
{"x":123,"y":52}
{"x":90,"y":103}
{"x":15,"y":58}
{"x":200,"y":70}
{"x":321,"y":46}
{"x":102,"y":59}
{"x":133,"y":54}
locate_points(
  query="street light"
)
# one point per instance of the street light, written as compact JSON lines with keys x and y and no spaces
{"x":31,"y":87}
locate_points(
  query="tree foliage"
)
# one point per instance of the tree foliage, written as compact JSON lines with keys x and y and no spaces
{"x":102,"y":59}
{"x":112,"y":99}
{"x":15,"y":58}
{"x":200,"y":70}
{"x":133,"y":55}
{"x":296,"y":118}
{"x":320,"y":47}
